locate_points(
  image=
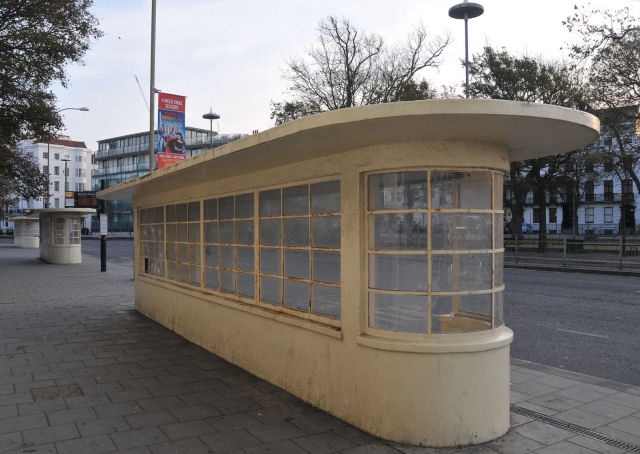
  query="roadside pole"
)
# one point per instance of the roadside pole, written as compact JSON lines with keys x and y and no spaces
{"x":103,"y":237}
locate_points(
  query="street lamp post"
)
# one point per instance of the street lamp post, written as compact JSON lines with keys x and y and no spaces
{"x":211,"y":115}
{"x":81,"y":109}
{"x":66,"y":174}
{"x":466,"y":11}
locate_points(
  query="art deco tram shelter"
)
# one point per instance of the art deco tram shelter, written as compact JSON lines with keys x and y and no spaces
{"x":353,"y":258}
{"x":26,"y":231}
{"x":60,"y":240}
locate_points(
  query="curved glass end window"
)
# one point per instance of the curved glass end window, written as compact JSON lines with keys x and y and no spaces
{"x":435,"y":251}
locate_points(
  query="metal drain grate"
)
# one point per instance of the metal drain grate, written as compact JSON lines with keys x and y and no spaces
{"x":629,"y":447}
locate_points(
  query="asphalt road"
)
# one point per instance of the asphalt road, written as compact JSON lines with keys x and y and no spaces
{"x":580,"y":322}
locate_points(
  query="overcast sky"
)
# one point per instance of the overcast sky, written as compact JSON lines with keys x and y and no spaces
{"x":230,"y":54}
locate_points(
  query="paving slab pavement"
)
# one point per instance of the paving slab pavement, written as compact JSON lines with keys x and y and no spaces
{"x":82,"y":372}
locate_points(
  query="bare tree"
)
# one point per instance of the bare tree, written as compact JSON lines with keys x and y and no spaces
{"x":349,"y":67}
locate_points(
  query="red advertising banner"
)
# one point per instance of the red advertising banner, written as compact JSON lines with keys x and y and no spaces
{"x":166,"y":159}
{"x":167,"y":101}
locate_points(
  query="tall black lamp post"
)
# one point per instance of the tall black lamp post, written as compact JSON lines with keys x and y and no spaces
{"x":211,"y":115}
{"x":466,"y":11}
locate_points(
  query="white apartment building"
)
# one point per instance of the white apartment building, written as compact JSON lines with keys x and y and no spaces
{"x":51,"y":158}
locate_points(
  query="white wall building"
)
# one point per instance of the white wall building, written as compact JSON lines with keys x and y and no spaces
{"x":50,"y":157}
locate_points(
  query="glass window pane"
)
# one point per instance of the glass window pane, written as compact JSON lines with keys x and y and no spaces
{"x":183,"y":272}
{"x":398,"y":231}
{"x":460,"y":231}
{"x":194,"y":254}
{"x":172,"y":270}
{"x":398,"y":272}
{"x":160,"y":250}
{"x":183,"y":253}
{"x":227,"y":234}
{"x":171,"y":251}
{"x":244,"y":232}
{"x":171,"y":213}
{"x":326,"y":231}
{"x":182,"y":232}
{"x":181,"y":212}
{"x":194,"y":232}
{"x":326,"y":266}
{"x":245,"y":258}
{"x":227,"y":257}
{"x":296,"y":232}
{"x":227,"y":281}
{"x":296,"y":295}
{"x":211,"y":232}
{"x":497,"y":276}
{"x":194,"y":275}
{"x":498,"y":190}
{"x":271,"y":261}
{"x":461,"y":272}
{"x":211,"y":255}
{"x":194,"y":211}
{"x":402,"y":313}
{"x":461,"y":190}
{"x":246,"y":285}
{"x":454,"y":314}
{"x":226,"y":208}
{"x":325,"y":300}
{"x":325,"y":197}
{"x":498,"y":231}
{"x":211,"y":278}
{"x":159,"y":232}
{"x":244,"y":206}
{"x":296,"y":200}
{"x":296,"y":263}
{"x":270,"y":233}
{"x":271,"y":290}
{"x":270,"y":203}
{"x":144,"y":232}
{"x":211,"y":209}
{"x":397,"y":191}
{"x":159,"y":213}
{"x":498,"y":318}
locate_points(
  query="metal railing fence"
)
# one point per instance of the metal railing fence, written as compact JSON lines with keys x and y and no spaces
{"x":613,"y":252}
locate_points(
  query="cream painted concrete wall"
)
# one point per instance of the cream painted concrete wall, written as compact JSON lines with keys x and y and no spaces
{"x":441,"y":390}
{"x":29,"y":243}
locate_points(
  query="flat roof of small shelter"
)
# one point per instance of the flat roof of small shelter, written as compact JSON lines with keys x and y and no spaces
{"x":528,"y":130}
{"x":79,"y":211}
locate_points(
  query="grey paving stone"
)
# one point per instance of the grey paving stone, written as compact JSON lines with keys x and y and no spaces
{"x":138,"y":437}
{"x":119,"y":409}
{"x":195,"y":412}
{"x":230,"y":440}
{"x":565,"y":447}
{"x":148,"y":419}
{"x":583,"y":418}
{"x":373,"y":448}
{"x":7,"y":411}
{"x":543,"y":433}
{"x":161,"y":403}
{"x":187,"y":429}
{"x":516,"y":397}
{"x":282,"y":447}
{"x":48,"y":448}
{"x":595,"y":445}
{"x":233,"y":422}
{"x":10,"y":442}
{"x":275,"y":432}
{"x":74,"y":415}
{"x":50,"y":434}
{"x":581,"y":393}
{"x":324,"y":442}
{"x":190,"y":446}
{"x":513,"y":443}
{"x":18,"y":423}
{"x":630,"y":424}
{"x":533,"y":388}
{"x":556,"y":402}
{"x":626,"y":399}
{"x":607,"y":408}
{"x":556,"y":381}
{"x":95,"y":445}
{"x":103,"y":426}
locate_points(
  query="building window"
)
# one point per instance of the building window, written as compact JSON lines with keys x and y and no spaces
{"x":299,"y":236}
{"x":553,"y":215}
{"x":608,"y":215}
{"x":45,"y":170}
{"x":80,"y":173}
{"x":56,"y":203}
{"x":152,"y":241}
{"x":45,"y":154}
{"x":79,"y":187}
{"x":74,"y":230}
{"x":588,"y":215}
{"x":56,"y":185}
{"x":627,"y":188}
{"x":56,"y":170}
{"x":608,"y":190}
{"x":56,"y":156}
{"x":435,"y":251}
{"x":588,"y":191}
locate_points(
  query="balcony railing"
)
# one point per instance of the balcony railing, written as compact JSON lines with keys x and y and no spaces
{"x":555,"y":200}
{"x":607,"y":197}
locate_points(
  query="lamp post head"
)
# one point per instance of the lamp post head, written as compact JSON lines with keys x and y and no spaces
{"x":466,"y":10}
{"x":211,"y":115}
{"x":84,"y":109}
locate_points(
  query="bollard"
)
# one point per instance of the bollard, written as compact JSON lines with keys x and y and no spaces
{"x":103,"y":253}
